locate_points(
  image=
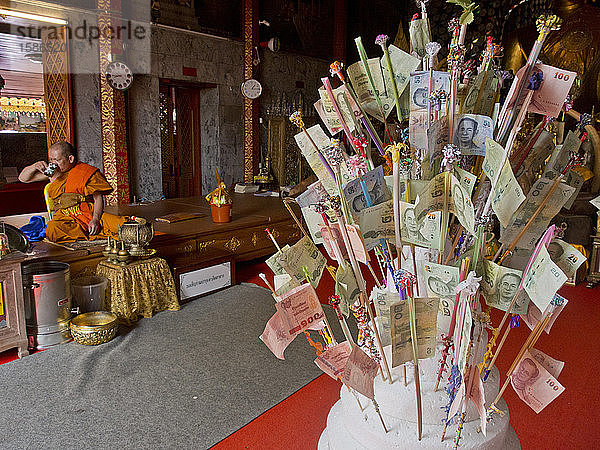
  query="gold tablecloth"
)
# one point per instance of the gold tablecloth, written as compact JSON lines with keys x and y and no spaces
{"x":139,"y":289}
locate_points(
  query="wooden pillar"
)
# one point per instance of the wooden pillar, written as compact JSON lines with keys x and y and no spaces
{"x":340,"y":17}
{"x":112,"y":107}
{"x":250,"y":106}
{"x":57,"y":86}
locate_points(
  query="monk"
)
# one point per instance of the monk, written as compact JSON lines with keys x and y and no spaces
{"x":77,"y":191}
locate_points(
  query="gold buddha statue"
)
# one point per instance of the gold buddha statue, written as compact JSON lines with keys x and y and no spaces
{"x":574,"y":47}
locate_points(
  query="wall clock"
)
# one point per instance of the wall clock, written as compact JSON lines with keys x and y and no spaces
{"x":118,"y":75}
{"x":251,"y":88}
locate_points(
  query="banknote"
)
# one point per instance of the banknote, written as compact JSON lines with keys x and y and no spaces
{"x":499,"y":285}
{"x":534,"y":315}
{"x":427,"y":233}
{"x":471,"y":132}
{"x":383,"y":300}
{"x":276,"y":336}
{"x":575,"y":180}
{"x":362,"y":87}
{"x":346,"y":287}
{"x":419,"y":89}
{"x":333,"y":242}
{"x":596,"y":202}
{"x":333,"y":360}
{"x":377,"y":223}
{"x":403,"y":65}
{"x":541,"y":149}
{"x":565,"y":256}
{"x":557,"y":163}
{"x":426,"y":310}
{"x":549,"y":99}
{"x":284,"y":283}
{"x":507,"y":194}
{"x":313,"y":219}
{"x":414,"y":188}
{"x":462,"y":334}
{"x":539,"y":225}
{"x":273,"y":262}
{"x":422,"y":255}
{"x":476,"y":395}
{"x":300,"y":309}
{"x":446,"y":188}
{"x":466,"y":179}
{"x":441,"y":281}
{"x":553,"y":366}
{"x":543,"y":279}
{"x":357,"y":244}
{"x":329,"y":115}
{"x":375,"y":184}
{"x":438,"y":135}
{"x":311,"y":155}
{"x":481,"y":94}
{"x":360,"y":371}
{"x":303,"y":254}
{"x":419,"y":97}
{"x":419,"y":37}
{"x":534,"y":384}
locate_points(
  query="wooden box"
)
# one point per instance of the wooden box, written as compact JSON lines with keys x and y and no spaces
{"x":12,"y":310}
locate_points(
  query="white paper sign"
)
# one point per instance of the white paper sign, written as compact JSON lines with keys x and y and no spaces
{"x":203,"y":281}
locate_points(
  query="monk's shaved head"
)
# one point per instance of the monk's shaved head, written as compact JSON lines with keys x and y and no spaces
{"x":64,"y":147}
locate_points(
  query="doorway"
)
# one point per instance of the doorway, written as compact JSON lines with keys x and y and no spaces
{"x":180,"y":138}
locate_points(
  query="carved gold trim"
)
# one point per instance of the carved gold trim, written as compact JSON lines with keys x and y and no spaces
{"x":254,"y":239}
{"x":204,"y":245}
{"x":232,"y":244}
{"x":112,"y":111}
{"x":250,"y":106}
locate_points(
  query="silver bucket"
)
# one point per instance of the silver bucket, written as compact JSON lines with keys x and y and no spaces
{"x":47,"y":295}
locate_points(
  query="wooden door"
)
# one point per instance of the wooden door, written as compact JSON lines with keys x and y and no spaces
{"x":180,"y":141}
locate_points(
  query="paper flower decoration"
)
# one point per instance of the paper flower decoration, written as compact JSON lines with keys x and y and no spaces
{"x":219,"y":196}
{"x":336,"y":69}
{"x":296,"y":119}
{"x":451,"y":154}
{"x":381,"y":40}
{"x":357,"y":165}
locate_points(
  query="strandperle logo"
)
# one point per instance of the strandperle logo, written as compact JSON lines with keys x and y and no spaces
{"x":83,"y":31}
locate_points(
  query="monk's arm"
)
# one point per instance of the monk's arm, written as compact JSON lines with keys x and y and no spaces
{"x":94,"y":225}
{"x":34,"y":172}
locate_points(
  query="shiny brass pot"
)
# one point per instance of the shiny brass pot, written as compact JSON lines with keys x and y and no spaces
{"x":93,"y":328}
{"x":136,"y":236}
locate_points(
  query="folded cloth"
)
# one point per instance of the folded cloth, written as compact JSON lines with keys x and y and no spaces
{"x":35,"y":230}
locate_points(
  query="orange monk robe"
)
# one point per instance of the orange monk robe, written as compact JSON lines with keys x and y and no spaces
{"x":71,"y":224}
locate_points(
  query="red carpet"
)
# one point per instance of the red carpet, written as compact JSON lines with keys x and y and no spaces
{"x":572,"y":421}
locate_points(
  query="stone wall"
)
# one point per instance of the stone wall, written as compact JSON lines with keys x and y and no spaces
{"x":218,"y":62}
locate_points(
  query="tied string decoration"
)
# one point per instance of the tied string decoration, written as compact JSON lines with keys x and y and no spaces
{"x":548,"y":22}
{"x":503,"y":75}
{"x":334,"y":153}
{"x":335,"y":300}
{"x":320,"y":207}
{"x":357,"y":165}
{"x":454,"y":382}
{"x":401,"y":155}
{"x":451,"y":155}
{"x":360,"y":142}
{"x":456,"y":57}
{"x":568,"y":105}
{"x":432,"y":49}
{"x":584,"y":121}
{"x":365,"y":340}
{"x":436,"y":98}
{"x":535,"y":81}
{"x":469,"y":285}
{"x":404,"y":280}
{"x":515,"y":321}
{"x":381,"y":40}
{"x":469,"y":69}
{"x":448,"y":344}
{"x":296,"y":119}
{"x":335,"y":68}
{"x":335,"y":202}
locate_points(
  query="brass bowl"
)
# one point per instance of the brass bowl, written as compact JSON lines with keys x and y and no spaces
{"x":93,"y":328}
{"x":136,"y":236}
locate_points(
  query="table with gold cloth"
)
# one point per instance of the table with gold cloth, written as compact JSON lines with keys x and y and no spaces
{"x":138,"y":289}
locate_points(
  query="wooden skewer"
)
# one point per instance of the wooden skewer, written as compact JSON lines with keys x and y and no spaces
{"x":413,"y":332}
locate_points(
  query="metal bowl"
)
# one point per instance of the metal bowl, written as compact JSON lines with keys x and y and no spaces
{"x":136,"y":236}
{"x":93,"y":328}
